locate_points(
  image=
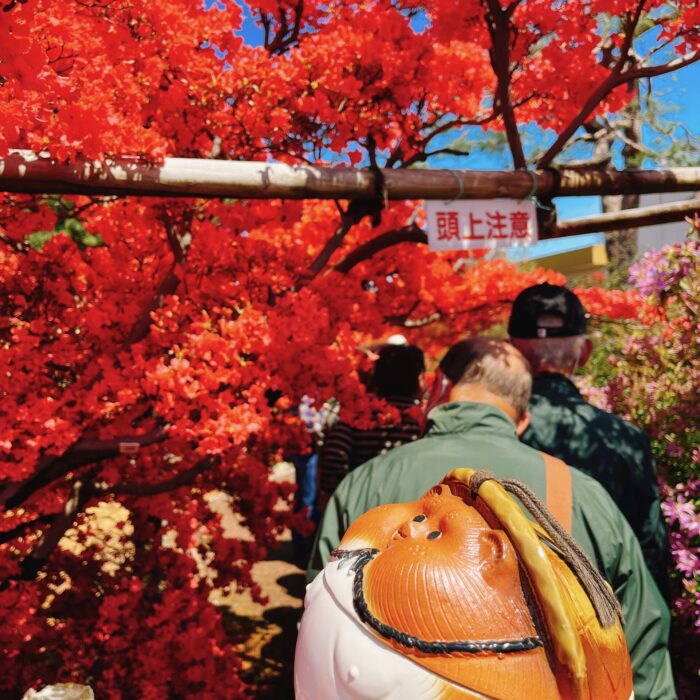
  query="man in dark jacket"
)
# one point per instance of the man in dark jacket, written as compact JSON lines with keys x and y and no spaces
{"x":487,"y":385}
{"x":548,"y":326}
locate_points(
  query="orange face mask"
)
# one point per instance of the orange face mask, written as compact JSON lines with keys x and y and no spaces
{"x":456,"y":595}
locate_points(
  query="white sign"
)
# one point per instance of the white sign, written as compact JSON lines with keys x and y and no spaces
{"x":481,"y":223}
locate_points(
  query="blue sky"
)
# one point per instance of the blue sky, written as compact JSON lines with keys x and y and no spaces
{"x":681,"y":89}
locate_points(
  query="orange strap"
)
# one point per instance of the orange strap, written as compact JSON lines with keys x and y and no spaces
{"x":560,"y":499}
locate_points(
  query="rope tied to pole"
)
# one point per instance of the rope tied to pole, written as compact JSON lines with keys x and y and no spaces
{"x":460,"y":183}
{"x":546,"y":211}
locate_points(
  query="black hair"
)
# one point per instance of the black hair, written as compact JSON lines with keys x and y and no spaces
{"x":398,"y":369}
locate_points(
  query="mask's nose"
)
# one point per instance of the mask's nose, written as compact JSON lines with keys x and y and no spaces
{"x":412,"y":529}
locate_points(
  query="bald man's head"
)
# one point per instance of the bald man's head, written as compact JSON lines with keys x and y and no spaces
{"x":490,"y":371}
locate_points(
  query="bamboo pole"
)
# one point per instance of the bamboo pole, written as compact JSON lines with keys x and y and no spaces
{"x":24,"y":172}
{"x":630,"y":218}
{"x":640,"y":217}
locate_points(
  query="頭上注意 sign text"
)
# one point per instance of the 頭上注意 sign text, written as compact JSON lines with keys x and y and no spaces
{"x":483,"y":223}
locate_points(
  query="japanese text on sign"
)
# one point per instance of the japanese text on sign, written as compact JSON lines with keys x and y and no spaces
{"x":481,"y":223}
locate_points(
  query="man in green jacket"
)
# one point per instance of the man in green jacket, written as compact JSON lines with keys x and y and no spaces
{"x":548,"y":326}
{"x":487,"y":386}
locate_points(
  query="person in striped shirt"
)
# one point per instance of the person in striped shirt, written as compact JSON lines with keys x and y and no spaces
{"x":396,"y":377}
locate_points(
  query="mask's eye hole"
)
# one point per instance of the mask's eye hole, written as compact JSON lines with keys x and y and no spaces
{"x":434,"y":534}
{"x":419,"y":518}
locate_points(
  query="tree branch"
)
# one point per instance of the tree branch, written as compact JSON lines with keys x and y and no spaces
{"x":627,"y":218}
{"x":654,"y":71}
{"x":423,"y":143}
{"x":17,"y":246}
{"x":84,"y":452}
{"x":77,"y":455}
{"x":512,"y":7}
{"x":498,"y":23}
{"x":168,"y":285}
{"x":407,"y":234}
{"x":630,"y":30}
{"x":332,"y":244}
{"x":594,"y":99}
{"x":83,"y":490}
{"x":635,"y":145}
{"x":287,"y":35}
{"x":453,"y":124}
{"x":406,"y":322}
{"x":437,"y":315}
{"x":18,"y":531}
{"x":153,"y":489}
{"x":80,"y":495}
{"x":178,"y":241}
{"x":356,"y":211}
{"x":617,"y":77}
{"x":614,"y":79}
{"x":423,"y":156}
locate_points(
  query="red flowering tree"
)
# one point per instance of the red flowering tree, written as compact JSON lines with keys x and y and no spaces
{"x":152,"y":351}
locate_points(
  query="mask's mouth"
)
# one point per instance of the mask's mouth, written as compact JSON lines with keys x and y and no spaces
{"x":361,"y":558}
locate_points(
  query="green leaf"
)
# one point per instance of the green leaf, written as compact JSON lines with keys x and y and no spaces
{"x":38,"y":239}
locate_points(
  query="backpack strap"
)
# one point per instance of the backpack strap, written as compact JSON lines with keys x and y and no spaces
{"x":559,"y":498}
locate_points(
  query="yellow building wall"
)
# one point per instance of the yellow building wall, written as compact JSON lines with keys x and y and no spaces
{"x":577,"y":262}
